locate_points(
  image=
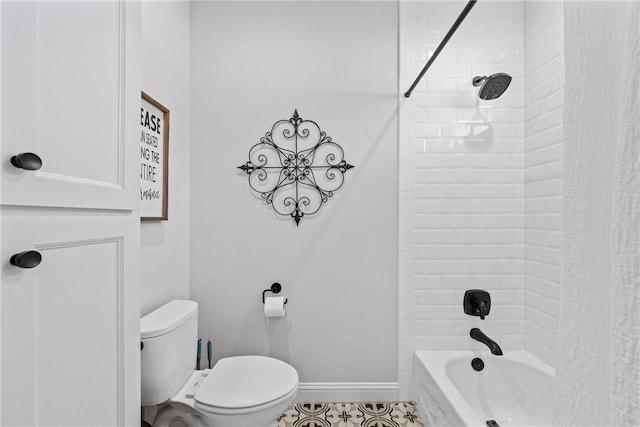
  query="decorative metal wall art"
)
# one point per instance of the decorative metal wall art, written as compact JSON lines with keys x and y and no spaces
{"x":296,"y":167}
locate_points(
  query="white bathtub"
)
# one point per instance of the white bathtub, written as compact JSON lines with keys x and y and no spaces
{"x":514,"y":390}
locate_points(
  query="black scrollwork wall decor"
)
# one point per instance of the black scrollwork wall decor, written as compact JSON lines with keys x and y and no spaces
{"x":296,"y":167}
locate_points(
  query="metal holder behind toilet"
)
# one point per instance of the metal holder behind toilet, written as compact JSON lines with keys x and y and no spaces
{"x":275,"y":288}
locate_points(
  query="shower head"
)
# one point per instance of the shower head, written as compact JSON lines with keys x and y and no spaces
{"x":492,"y":86}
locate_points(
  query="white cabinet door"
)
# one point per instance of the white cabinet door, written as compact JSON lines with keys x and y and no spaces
{"x":70,"y":326}
{"x":71,"y":95}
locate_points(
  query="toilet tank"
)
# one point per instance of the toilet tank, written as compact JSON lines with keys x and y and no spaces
{"x":169,"y":337}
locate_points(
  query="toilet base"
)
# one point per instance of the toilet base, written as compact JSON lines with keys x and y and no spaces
{"x":182,"y":407}
{"x":168,"y":414}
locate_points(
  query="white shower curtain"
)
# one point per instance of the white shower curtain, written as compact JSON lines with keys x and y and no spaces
{"x":598,"y":365}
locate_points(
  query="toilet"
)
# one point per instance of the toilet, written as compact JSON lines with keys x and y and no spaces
{"x":240,"y":391}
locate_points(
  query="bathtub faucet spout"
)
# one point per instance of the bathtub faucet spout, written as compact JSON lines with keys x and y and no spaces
{"x":478,"y":335}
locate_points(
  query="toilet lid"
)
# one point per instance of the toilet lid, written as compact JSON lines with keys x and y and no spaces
{"x":245,"y":381}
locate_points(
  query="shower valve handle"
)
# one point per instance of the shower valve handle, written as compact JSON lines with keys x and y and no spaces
{"x":477,"y":302}
{"x":482,"y":308}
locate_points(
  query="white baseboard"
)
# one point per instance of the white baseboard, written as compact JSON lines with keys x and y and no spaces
{"x":347,"y":392}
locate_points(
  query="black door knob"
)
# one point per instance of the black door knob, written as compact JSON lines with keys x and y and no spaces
{"x":27,"y":161}
{"x":26,"y":259}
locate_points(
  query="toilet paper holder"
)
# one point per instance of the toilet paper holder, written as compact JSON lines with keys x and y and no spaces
{"x":275,"y":288}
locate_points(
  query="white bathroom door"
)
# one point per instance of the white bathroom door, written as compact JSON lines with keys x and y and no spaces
{"x":70,"y":325}
{"x":71,"y":95}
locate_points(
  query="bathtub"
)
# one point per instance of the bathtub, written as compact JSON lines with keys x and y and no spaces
{"x":513,"y":390}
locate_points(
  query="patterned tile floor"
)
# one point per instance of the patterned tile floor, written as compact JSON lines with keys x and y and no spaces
{"x":361,"y":414}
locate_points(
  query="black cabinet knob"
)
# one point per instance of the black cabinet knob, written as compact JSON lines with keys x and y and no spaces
{"x":27,"y":161}
{"x":26,"y":259}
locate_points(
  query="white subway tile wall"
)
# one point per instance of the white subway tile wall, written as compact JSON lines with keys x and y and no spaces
{"x":462,"y":204}
{"x":480,"y":181}
{"x":544,"y":89}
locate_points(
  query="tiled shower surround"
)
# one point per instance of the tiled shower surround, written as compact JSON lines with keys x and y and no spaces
{"x":544,"y":90}
{"x":479,"y":184}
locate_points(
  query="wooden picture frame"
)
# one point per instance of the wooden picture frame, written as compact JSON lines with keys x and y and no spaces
{"x":154,"y":160}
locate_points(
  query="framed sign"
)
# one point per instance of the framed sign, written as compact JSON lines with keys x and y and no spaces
{"x":154,"y":159}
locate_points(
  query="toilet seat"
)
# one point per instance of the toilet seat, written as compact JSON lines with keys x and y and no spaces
{"x":244,"y":384}
{"x":247,"y":410}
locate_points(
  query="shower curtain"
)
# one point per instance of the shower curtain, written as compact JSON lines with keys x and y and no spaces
{"x":598,"y":364}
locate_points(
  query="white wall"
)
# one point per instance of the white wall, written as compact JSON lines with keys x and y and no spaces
{"x":544,"y":91}
{"x":252,"y":65}
{"x":461,"y":179}
{"x":165,"y":77}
